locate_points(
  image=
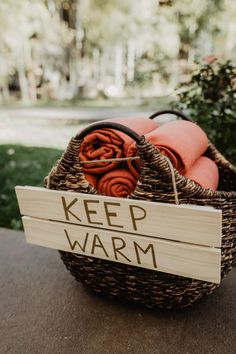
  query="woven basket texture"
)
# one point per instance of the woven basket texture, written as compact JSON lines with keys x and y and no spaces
{"x":148,"y":287}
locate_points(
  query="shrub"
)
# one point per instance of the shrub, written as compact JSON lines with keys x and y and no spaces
{"x":210,"y":100}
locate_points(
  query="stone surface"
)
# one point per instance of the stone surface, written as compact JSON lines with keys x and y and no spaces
{"x":44,"y":310}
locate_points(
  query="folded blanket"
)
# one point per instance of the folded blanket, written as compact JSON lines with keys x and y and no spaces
{"x":91,"y":179}
{"x":117,"y":183}
{"x":108,"y":143}
{"x":204,"y":172}
{"x":182,"y":142}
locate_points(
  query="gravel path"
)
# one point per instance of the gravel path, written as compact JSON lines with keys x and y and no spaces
{"x":53,"y":127}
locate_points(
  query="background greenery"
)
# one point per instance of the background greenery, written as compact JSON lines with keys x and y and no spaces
{"x":209,"y":98}
{"x":21,"y":165}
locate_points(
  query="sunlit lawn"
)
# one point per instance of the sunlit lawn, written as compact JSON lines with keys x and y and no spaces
{"x":21,"y":165}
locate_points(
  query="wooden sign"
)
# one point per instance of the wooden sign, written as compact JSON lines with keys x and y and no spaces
{"x":187,"y":223}
{"x":183,"y":240}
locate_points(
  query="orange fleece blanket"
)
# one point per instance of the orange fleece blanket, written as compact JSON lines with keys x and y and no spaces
{"x":117,"y":183}
{"x":108,"y":143}
{"x":91,"y":179}
{"x":120,"y":182}
{"x":205,"y":173}
{"x":182,"y":142}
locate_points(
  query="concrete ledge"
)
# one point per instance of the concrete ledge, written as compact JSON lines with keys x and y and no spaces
{"x":44,"y":310}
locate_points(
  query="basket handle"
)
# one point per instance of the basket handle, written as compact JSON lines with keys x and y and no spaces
{"x":170,"y":111}
{"x":111,"y":125}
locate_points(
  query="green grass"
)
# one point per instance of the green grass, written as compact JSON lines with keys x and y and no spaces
{"x":21,"y":165}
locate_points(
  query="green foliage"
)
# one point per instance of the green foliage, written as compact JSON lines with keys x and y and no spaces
{"x":21,"y":165}
{"x":210,"y":99}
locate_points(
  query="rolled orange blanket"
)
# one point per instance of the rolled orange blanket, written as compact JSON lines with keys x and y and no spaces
{"x":182,"y":142}
{"x":108,"y":143}
{"x":91,"y":179}
{"x":117,"y":183}
{"x":204,"y":172}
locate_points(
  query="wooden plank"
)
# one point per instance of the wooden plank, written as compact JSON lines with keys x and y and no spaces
{"x":187,"y":223}
{"x":173,"y":257}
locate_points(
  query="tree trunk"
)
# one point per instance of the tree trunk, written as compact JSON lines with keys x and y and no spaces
{"x":119,"y":82}
{"x":23,"y":83}
{"x":32,"y":86}
{"x":131,"y":60}
{"x":24,"y":87}
{"x":73,"y":75}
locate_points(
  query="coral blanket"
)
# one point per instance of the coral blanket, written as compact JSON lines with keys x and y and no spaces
{"x":121,"y":182}
{"x":117,"y":183}
{"x":182,"y":142}
{"x":205,"y":173}
{"x":108,"y":143}
{"x":91,"y":179}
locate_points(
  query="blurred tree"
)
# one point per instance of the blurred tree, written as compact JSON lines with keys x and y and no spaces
{"x":68,"y":48}
{"x":30,"y":38}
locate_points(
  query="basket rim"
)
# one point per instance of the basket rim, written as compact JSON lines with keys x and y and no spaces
{"x":178,"y":177}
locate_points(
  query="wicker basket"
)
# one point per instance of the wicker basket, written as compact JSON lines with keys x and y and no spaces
{"x":144,"y":286}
